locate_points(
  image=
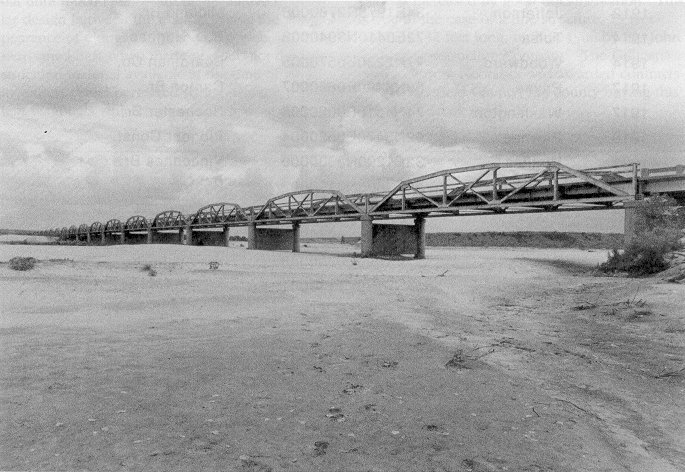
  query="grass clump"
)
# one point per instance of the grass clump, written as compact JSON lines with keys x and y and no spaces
{"x":22,"y":263}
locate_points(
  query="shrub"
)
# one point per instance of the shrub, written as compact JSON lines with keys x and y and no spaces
{"x":658,"y":223}
{"x":22,"y":263}
{"x":150,"y":271}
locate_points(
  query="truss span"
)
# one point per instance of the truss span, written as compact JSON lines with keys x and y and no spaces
{"x":169,"y":219}
{"x":499,"y":187}
{"x":308,"y":205}
{"x":114,"y":226}
{"x":218,"y":214}
{"x":136,"y":223}
{"x":83,"y":231}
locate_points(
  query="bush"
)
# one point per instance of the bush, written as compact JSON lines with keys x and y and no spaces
{"x":22,"y":263}
{"x":150,"y":271}
{"x":658,"y":224}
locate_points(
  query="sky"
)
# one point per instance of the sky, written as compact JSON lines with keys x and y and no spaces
{"x":115,"y":109}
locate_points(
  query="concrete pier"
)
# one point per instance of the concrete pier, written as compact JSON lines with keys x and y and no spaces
{"x":420,"y":235}
{"x":252,"y":236}
{"x":367,"y":237}
{"x":207,"y":237}
{"x":273,"y":239}
{"x":226,"y":234}
{"x":629,"y":222}
{"x":379,"y":239}
{"x":134,"y":238}
{"x":296,"y":236}
{"x":189,"y":235}
{"x":168,"y":237}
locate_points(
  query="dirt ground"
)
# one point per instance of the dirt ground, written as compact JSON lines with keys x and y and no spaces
{"x":475,"y":359}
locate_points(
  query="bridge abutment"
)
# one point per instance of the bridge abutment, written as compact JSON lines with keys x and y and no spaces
{"x":393,"y":239}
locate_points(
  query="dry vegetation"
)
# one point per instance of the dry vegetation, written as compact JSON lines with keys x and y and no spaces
{"x":659,"y":224}
{"x":22,"y":263}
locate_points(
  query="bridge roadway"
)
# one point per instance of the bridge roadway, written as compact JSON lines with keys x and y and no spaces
{"x":497,"y":188}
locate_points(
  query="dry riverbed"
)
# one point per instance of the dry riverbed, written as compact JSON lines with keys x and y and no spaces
{"x":475,"y":359}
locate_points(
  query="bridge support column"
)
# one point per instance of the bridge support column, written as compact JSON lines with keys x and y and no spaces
{"x":226,"y":236}
{"x":296,"y":236}
{"x":420,"y":230}
{"x":103,"y":238}
{"x":180,"y":236}
{"x":271,"y":239}
{"x":150,"y":235}
{"x":629,"y":222}
{"x":252,"y":236}
{"x":393,"y":239}
{"x":367,"y":236}
{"x":88,"y":237}
{"x":122,"y":238}
{"x":189,"y":236}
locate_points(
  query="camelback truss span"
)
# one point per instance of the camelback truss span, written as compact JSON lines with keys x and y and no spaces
{"x":498,"y":188}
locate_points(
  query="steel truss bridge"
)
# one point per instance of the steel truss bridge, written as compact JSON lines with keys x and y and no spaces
{"x":489,"y":189}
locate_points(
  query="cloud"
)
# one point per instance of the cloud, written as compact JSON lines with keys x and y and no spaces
{"x":151,"y":106}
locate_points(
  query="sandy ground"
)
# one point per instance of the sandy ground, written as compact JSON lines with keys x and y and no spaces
{"x":475,"y":359}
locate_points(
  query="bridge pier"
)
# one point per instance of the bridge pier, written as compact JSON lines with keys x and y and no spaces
{"x":189,"y":235}
{"x":296,"y":236}
{"x":207,"y":237}
{"x":252,"y":236}
{"x":103,"y":237}
{"x":135,"y":237}
{"x":367,"y":236}
{"x":629,"y":222}
{"x":273,"y":239}
{"x":226,"y":234}
{"x":158,"y":237}
{"x":122,"y":237}
{"x":88,"y":237}
{"x":392,"y":239}
{"x":420,"y":235}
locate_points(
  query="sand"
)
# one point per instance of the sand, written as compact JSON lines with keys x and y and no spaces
{"x":318,"y":361}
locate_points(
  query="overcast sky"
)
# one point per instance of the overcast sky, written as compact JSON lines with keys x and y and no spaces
{"x":115,"y":109}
